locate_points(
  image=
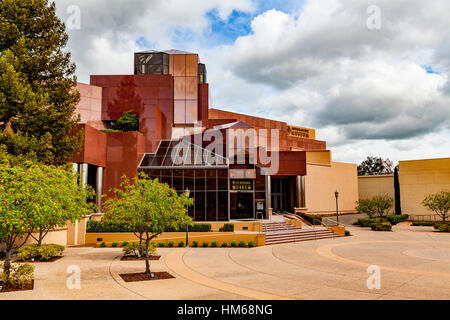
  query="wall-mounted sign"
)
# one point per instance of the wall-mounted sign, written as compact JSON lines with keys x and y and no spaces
{"x":241,"y":185}
{"x":243,"y":174}
{"x":301,"y":132}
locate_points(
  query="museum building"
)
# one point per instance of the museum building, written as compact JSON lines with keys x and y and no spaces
{"x":255,"y":168}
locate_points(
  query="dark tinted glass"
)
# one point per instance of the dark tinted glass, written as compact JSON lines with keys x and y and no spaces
{"x":211,"y":206}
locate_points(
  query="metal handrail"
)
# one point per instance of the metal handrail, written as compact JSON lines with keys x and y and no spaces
{"x":321,"y":224}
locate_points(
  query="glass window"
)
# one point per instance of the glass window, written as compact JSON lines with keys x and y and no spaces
{"x":222,"y":175}
{"x":189,"y":179}
{"x":222,"y":205}
{"x":200,"y":203}
{"x":211,"y":180}
{"x":178,"y":180}
{"x":166,"y":177}
{"x":211,"y":206}
{"x":199,"y":180}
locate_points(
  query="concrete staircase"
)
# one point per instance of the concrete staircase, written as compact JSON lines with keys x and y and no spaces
{"x":280,"y":232}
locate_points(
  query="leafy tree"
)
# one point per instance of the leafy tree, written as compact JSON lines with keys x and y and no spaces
{"x":438,"y":203}
{"x":378,"y":205}
{"x":398,"y":207}
{"x":37,"y":81}
{"x":149,"y":208}
{"x":35,"y":197}
{"x":128,"y":122}
{"x":375,"y":166}
{"x":366,"y":206}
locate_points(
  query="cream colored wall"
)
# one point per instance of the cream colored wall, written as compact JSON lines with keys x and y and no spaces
{"x":419,"y":178}
{"x":323,"y":180}
{"x":370,"y":186}
{"x":58,"y":236}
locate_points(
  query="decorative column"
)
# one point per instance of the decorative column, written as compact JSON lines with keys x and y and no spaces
{"x":99,"y":189}
{"x":75,"y":168}
{"x":301,"y":200}
{"x":268,"y":196}
{"x":84,"y":174}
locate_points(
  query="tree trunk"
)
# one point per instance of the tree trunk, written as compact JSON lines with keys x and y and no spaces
{"x":7,"y":264}
{"x":39,"y":242}
{"x":147,"y":262}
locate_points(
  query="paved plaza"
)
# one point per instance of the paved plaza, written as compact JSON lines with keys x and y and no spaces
{"x":414,"y":264}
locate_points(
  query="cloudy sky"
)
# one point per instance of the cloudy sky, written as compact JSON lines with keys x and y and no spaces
{"x":371,"y":82}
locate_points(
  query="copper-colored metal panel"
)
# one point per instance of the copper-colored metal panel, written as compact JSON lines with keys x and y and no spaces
{"x":191,"y":111}
{"x":179,"y":65}
{"x":171,"y":64}
{"x":179,"y":88}
{"x":191,"y":88}
{"x":192,"y":65}
{"x":179,"y":111}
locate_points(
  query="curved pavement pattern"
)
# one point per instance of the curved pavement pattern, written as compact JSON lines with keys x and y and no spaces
{"x":414,"y":264}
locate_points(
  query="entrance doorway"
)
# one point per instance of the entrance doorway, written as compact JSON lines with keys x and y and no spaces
{"x":281,"y":189}
{"x":241,"y":205}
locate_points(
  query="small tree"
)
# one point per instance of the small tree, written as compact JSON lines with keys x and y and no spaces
{"x":378,"y":205}
{"x":149,"y":208}
{"x":438,"y":203}
{"x":65,"y":200}
{"x":366,"y":206}
{"x":382,"y":204}
{"x":31,"y":197}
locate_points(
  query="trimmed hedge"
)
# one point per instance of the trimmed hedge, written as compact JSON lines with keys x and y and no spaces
{"x":442,"y":227}
{"x":395,"y":219}
{"x":94,"y":226}
{"x":227,"y":227}
{"x":423,"y":224}
{"x":381,"y":226}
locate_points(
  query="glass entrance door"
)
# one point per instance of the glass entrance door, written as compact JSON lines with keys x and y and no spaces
{"x":241,"y":205}
{"x":281,"y":195}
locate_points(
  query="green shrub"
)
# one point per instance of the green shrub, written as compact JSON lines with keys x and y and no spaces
{"x":161,"y":244}
{"x":381,"y":226}
{"x":224,"y":244}
{"x":198,"y":227}
{"x":134,"y":249}
{"x":48,"y":251}
{"x":20,"y":275}
{"x":44,"y":252}
{"x":365,"y":222}
{"x":395,"y":219}
{"x":171,"y":244}
{"x":114,"y":244}
{"x":227,"y":227}
{"x":103,"y":244}
{"x":251,"y":244}
{"x":195,"y":244}
{"x":125,"y":243}
{"x":129,"y":121}
{"x":442,"y":227}
{"x":205,"y":244}
{"x":181,"y":244}
{"x":241,"y":244}
{"x":27,"y":252}
{"x":94,"y":226}
{"x":214,"y":244}
{"x":423,"y":224}
{"x":233,"y":244}
{"x":109,"y":130}
{"x":347,"y":233}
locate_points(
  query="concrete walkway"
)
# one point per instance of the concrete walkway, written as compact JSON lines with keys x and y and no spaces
{"x":414,"y":264}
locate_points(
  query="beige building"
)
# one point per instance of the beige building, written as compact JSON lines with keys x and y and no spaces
{"x":419,"y":178}
{"x":324,"y":178}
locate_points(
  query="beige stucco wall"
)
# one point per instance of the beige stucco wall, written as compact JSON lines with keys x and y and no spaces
{"x":370,"y":186}
{"x":419,"y":178}
{"x":323,"y":180}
